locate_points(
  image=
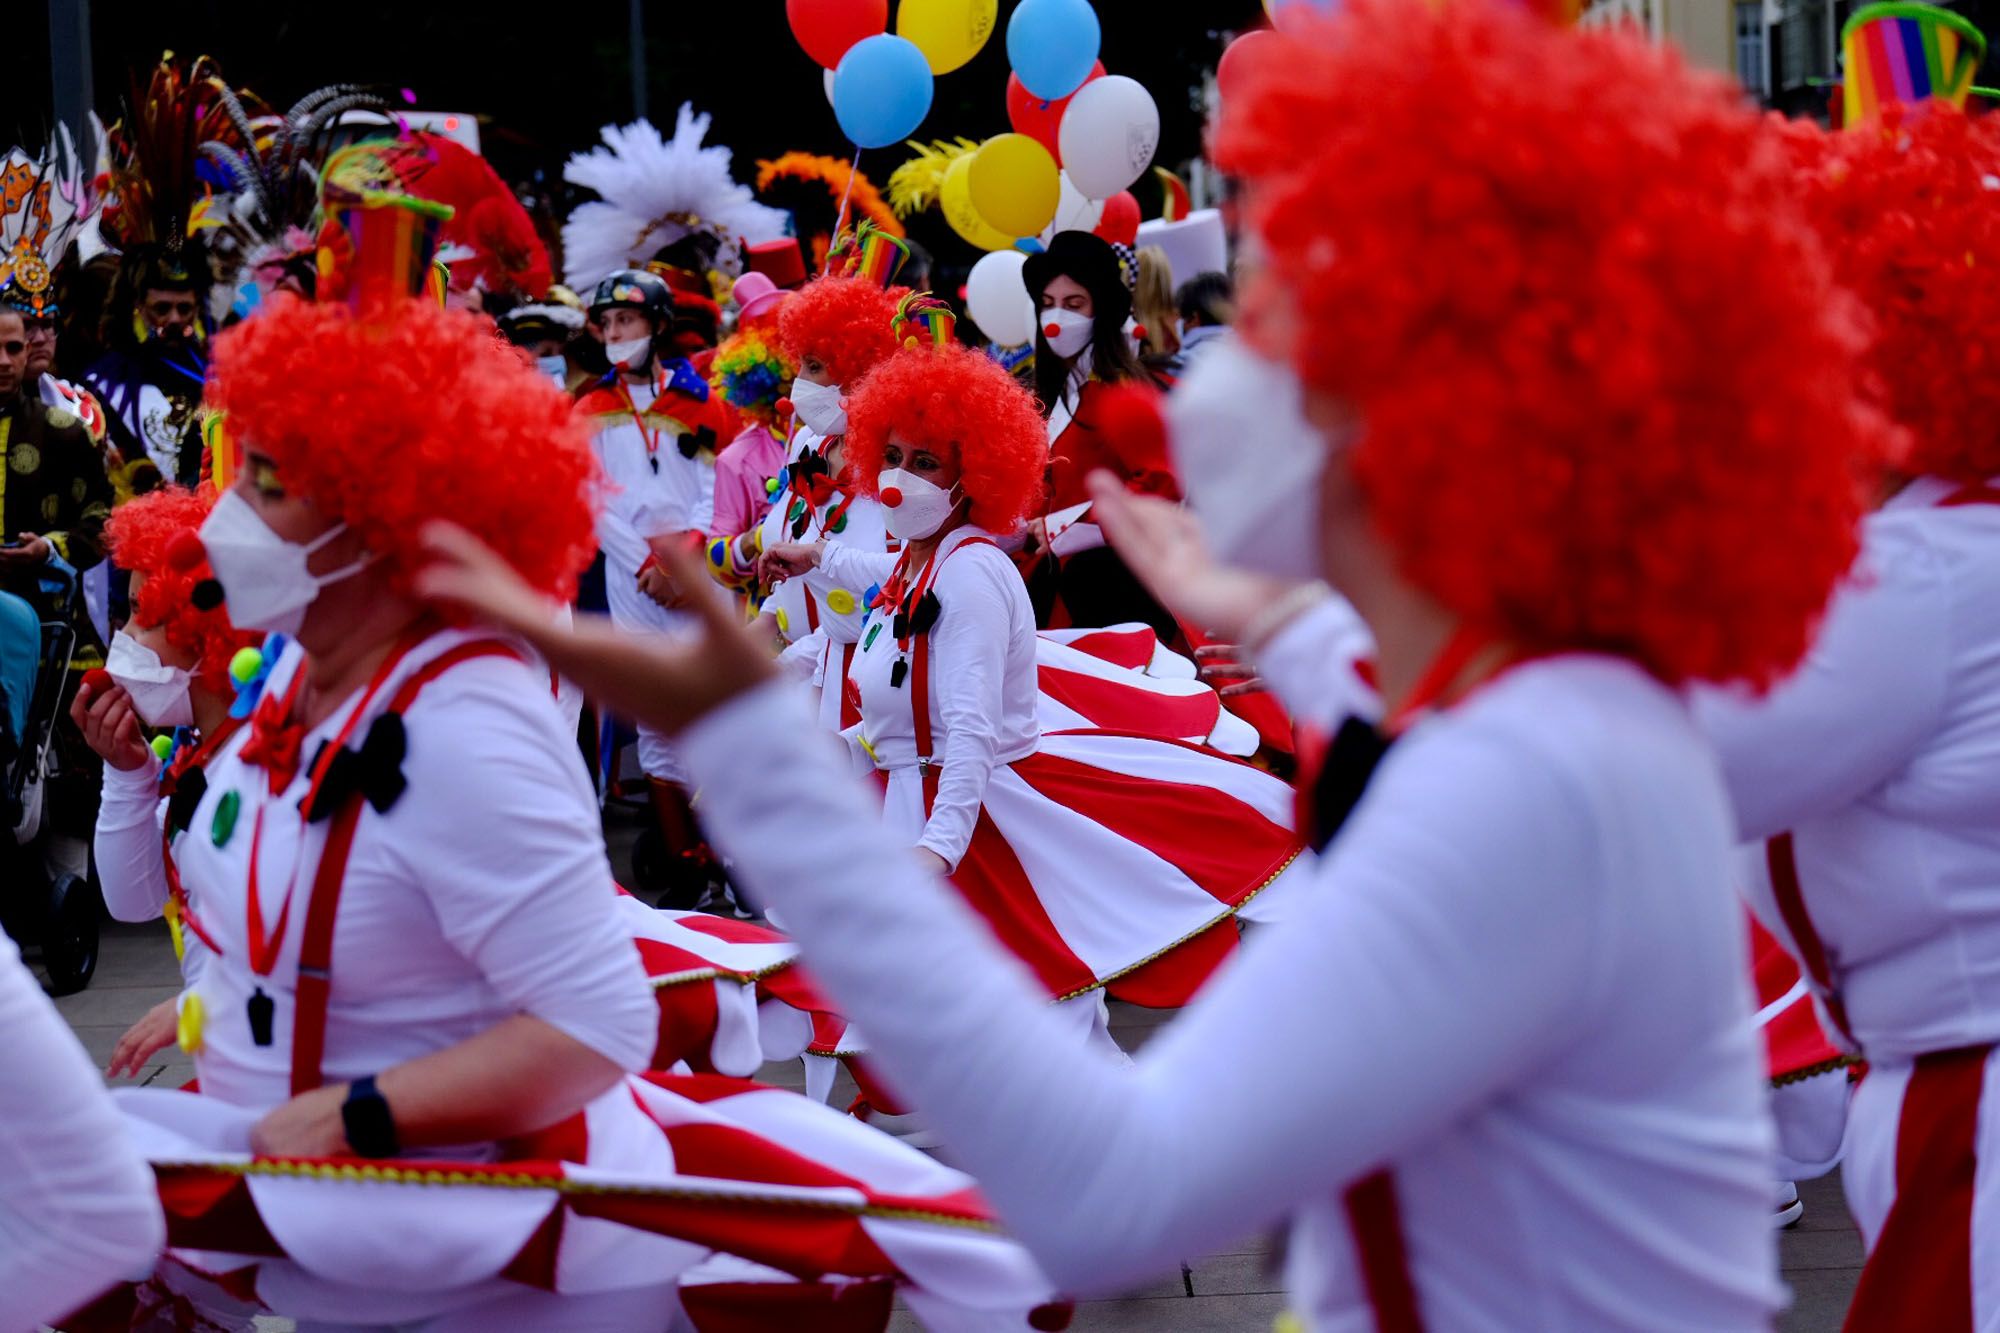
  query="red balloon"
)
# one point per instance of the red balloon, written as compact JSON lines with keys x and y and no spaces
{"x":1239,"y":56}
{"x":826,"y":28}
{"x":1120,"y":223}
{"x":1040,"y":120}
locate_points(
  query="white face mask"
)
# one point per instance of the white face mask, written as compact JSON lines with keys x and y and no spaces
{"x":820,"y":407}
{"x":1068,"y":332}
{"x":1249,"y":460}
{"x":913,"y":508}
{"x":159,"y":692}
{"x":265,"y":583}
{"x":630,"y":354}
{"x":554,"y":367}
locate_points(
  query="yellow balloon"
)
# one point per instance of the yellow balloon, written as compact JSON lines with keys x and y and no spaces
{"x":948,"y":32}
{"x":1015,"y":184}
{"x":955,"y":195}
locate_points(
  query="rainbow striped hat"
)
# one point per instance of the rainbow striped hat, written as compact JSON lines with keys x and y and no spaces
{"x":922,"y":319}
{"x":1902,"y":51}
{"x":868,"y":252}
{"x":377,"y":242}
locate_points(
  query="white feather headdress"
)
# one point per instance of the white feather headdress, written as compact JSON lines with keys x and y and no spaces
{"x":654,"y":191}
{"x":45,"y":200}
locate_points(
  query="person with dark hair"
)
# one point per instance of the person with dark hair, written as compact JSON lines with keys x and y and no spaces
{"x":1207,"y":304}
{"x":1078,"y":286}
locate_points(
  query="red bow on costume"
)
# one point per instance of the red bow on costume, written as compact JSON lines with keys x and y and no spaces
{"x":274,"y":741}
{"x":820,"y":488}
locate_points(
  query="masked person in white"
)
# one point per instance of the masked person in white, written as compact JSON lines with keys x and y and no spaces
{"x":169,"y":671}
{"x":1497,"y":1073}
{"x":1867,"y":781}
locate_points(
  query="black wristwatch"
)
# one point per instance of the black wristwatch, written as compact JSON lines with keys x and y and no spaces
{"x":371,"y":1130}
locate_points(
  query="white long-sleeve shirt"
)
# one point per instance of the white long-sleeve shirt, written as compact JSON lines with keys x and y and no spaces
{"x":1881,"y":757}
{"x":983,"y":690}
{"x":1520,"y":987}
{"x":130,"y":819}
{"x":482,"y":893}
{"x":78,"y":1208}
{"x":642,"y":503}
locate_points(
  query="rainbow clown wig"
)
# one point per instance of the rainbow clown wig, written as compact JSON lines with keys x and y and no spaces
{"x":1909,"y":207}
{"x":752,"y":373}
{"x":953,"y":400}
{"x":1549,"y":294}
{"x":393,"y":416}
{"x":841,"y":322}
{"x":154,"y":537}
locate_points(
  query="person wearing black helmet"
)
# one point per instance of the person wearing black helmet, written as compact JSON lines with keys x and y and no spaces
{"x":1079,"y":288}
{"x":656,"y":442}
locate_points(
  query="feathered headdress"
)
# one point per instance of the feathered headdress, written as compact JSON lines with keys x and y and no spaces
{"x":44,"y":201}
{"x":269,"y":173}
{"x":810,"y":188}
{"x":155,"y":170}
{"x":655,"y":192}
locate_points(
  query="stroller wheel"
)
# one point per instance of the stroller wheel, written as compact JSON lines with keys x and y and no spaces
{"x":69,"y":939}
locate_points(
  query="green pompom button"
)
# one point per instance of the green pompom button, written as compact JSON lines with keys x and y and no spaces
{"x":225,"y":818}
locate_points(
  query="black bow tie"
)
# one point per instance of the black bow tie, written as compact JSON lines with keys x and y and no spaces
{"x":920,"y":619}
{"x":1351,"y":760}
{"x":189,"y":788}
{"x":374,"y":771}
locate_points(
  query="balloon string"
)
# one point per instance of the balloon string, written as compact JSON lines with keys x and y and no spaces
{"x":840,"y":223}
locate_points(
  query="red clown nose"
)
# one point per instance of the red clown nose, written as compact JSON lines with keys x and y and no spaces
{"x":1053,"y":330}
{"x":784,"y":406}
{"x":890,"y":497}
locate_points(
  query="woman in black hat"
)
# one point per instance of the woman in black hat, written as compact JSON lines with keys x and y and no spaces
{"x":1079,"y":289}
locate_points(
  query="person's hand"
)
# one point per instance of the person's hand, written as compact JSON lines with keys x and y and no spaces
{"x":309,"y":1125}
{"x":159,"y":1029}
{"x":1161,"y":544}
{"x":656,"y":583}
{"x":110,"y":726}
{"x":1222,"y":667}
{"x":933,"y":862}
{"x":27,"y":550}
{"x":664,"y":682}
{"x":787,"y":560}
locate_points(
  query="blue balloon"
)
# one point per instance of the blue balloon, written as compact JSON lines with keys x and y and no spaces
{"x":882,"y":90}
{"x":1052,"y":45}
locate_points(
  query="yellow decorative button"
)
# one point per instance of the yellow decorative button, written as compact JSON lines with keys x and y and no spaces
{"x":191,"y":1021}
{"x":841,"y":602}
{"x":784,"y":621}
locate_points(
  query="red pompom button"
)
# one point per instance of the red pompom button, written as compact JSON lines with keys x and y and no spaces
{"x":890,"y":497}
{"x":185,"y":552}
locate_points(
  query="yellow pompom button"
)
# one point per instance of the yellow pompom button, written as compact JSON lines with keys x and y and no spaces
{"x":192,"y":1018}
{"x":841,"y":602}
{"x":784,"y":621}
{"x":163,"y":748}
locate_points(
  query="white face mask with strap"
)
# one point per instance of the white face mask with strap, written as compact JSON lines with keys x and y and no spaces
{"x":266,"y":584}
{"x":1067,"y":332}
{"x":913,"y":508}
{"x":1249,"y":460}
{"x":159,"y":692}
{"x":820,"y":406}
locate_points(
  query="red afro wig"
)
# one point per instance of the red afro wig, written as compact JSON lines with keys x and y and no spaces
{"x":154,"y":537}
{"x":952,"y":397}
{"x":387,"y":422}
{"x":844,"y":322}
{"x":1911,"y":219}
{"x":1550,"y":292}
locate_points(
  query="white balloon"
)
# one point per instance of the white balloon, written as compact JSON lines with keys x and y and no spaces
{"x":1108,"y":135}
{"x":1075,"y":211}
{"x":827,"y":83}
{"x":996,"y":297}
